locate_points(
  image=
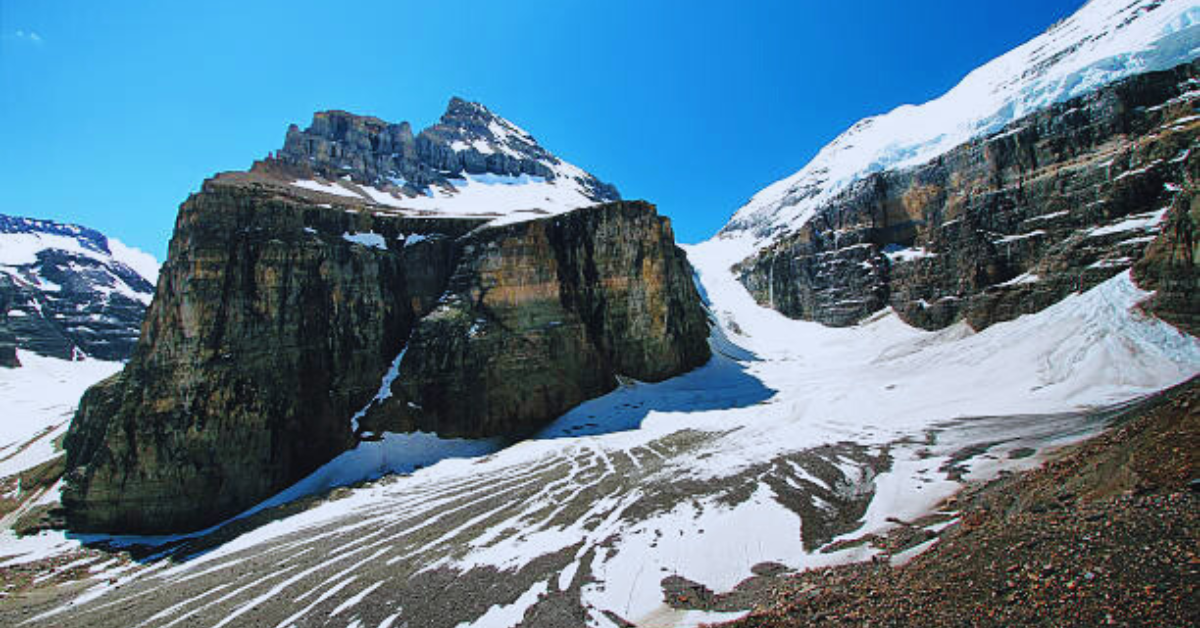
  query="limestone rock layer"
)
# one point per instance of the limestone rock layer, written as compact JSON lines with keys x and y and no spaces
{"x":1008,"y":224}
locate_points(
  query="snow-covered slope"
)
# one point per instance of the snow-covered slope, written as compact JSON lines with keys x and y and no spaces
{"x":67,"y":290}
{"x":472,"y":163}
{"x":1104,"y":41}
{"x":501,"y":198}
{"x":752,"y":459}
{"x":36,"y":404}
{"x":71,"y":306}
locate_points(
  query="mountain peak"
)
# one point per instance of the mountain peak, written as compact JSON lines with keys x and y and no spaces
{"x":458,"y":107}
{"x":67,"y":290}
{"x":431,"y":170}
{"x":476,"y":116}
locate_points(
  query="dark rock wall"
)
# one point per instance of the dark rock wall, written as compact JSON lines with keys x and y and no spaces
{"x":1171,"y":265}
{"x":1001,"y":226}
{"x":542,"y":315}
{"x":270,"y":330}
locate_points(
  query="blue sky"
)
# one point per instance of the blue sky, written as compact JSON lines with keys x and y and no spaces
{"x":112,"y":112}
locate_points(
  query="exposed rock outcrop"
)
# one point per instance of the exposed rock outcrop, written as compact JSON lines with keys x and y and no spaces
{"x":1005,"y":225}
{"x":1171,"y":264}
{"x":281,"y":309}
{"x":64,"y":294}
{"x":542,"y":315}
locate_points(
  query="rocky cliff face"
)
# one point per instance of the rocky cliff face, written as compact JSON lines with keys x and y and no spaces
{"x":64,"y":293}
{"x":1004,"y":225}
{"x":542,"y":315}
{"x":1171,"y":264}
{"x":292,"y":320}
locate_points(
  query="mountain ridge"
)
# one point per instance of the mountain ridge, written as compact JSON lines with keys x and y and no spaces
{"x":1104,"y":41}
{"x":69,"y":291}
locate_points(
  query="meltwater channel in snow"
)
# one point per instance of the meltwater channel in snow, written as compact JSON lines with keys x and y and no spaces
{"x":793,"y":437}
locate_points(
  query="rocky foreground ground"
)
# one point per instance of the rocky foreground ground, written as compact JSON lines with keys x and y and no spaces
{"x":1107,"y":533}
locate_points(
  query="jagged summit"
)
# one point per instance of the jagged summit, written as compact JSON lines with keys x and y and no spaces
{"x":470,"y":128}
{"x":472,"y":162}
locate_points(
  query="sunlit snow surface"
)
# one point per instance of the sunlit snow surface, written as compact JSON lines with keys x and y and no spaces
{"x":498,"y":198}
{"x":36,"y":404}
{"x":21,"y":249}
{"x":1104,"y":41}
{"x":690,"y":482}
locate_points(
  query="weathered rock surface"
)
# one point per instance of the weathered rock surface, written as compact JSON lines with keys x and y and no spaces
{"x":64,"y":294}
{"x":281,"y":310}
{"x":468,"y":139}
{"x":542,"y":315}
{"x":1005,"y":225}
{"x":1169,"y":266}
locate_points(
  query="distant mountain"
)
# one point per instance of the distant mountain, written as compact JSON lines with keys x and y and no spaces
{"x":68,"y":291}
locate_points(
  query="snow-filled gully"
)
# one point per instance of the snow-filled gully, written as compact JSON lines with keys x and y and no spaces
{"x":795,"y":439}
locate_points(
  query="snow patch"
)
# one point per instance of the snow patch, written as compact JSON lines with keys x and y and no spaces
{"x":368,"y":239}
{"x":1143,"y":222}
{"x":140,"y":261}
{"x":328,"y":188}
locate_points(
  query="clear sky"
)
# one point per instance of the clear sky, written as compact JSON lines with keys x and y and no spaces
{"x":112,"y":112}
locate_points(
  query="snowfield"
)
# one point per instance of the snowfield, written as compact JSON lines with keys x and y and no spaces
{"x":502,"y":199}
{"x":793,"y":437}
{"x":37,"y":401}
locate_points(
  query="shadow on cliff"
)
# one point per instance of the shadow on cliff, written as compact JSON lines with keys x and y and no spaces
{"x":724,"y":383}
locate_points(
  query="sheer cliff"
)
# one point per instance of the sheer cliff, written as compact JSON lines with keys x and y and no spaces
{"x":1005,"y":225}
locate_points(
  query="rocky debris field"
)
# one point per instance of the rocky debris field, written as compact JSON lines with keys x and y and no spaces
{"x":1108,"y":533}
